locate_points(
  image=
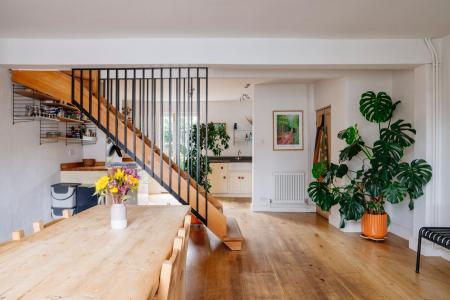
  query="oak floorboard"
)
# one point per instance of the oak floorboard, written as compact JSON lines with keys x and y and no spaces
{"x":301,"y":256}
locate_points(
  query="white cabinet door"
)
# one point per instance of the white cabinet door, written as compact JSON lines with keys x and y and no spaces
{"x":219,"y":178}
{"x":246,"y":183}
{"x":234,"y":182}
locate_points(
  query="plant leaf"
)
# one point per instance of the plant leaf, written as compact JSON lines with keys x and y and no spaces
{"x":376,"y":108}
{"x":399,"y":133}
{"x":415,"y":176}
{"x":395,"y":192}
{"x":320,"y":195}
{"x":319,"y":169}
{"x":350,"y":135}
{"x":341,"y":170}
{"x":351,"y":151}
{"x":352,"y":207}
{"x":384,"y":151}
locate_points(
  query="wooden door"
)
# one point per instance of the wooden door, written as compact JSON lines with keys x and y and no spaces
{"x":322,"y":149}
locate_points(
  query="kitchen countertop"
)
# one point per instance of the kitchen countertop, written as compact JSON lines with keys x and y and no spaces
{"x":229,"y":159}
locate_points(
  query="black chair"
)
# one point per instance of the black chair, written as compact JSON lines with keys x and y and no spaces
{"x":437,"y":235}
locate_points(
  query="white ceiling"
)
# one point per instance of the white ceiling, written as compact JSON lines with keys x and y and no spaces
{"x":224,"y":18}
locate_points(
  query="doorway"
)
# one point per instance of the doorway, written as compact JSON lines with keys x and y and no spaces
{"x":322,"y":148}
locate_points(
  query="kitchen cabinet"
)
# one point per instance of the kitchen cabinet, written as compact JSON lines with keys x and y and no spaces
{"x":239,"y":182}
{"x":231,"y":179}
{"x":219,"y":178}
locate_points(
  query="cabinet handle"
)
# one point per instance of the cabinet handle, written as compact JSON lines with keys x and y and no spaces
{"x":221,"y":168}
{"x":224,"y":177}
{"x":242,"y":177}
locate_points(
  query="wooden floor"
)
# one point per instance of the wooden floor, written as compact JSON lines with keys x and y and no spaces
{"x":300,"y":256}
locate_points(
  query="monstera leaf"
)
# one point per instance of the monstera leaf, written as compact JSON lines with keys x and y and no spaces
{"x":376,"y":108}
{"x":414,"y":176}
{"x":352,"y":207}
{"x":351,"y":151}
{"x":319,"y":193}
{"x":350,"y":135}
{"x":384,"y":151}
{"x":399,"y":133}
{"x":395,"y":192}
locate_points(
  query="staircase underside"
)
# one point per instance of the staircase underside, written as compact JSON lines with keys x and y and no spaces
{"x":58,"y":85}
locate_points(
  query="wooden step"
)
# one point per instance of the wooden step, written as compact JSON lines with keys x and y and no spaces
{"x":234,"y":238}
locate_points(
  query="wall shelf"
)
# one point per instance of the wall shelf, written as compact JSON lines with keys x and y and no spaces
{"x":58,"y":121}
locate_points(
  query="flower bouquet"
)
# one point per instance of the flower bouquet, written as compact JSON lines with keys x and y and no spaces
{"x":117,"y":185}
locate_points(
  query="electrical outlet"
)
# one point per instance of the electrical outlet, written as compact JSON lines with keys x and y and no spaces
{"x":71,"y":152}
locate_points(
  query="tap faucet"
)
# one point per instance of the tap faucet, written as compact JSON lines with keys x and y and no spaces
{"x":238,"y":155}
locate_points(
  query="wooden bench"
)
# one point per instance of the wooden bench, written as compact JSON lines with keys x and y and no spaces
{"x":437,"y":235}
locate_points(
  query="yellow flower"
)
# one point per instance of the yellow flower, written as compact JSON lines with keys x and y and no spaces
{"x":119,"y":174}
{"x":114,"y":190}
{"x":101,"y":183}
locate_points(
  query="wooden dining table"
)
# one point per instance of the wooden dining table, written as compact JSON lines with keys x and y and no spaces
{"x":83,"y":258}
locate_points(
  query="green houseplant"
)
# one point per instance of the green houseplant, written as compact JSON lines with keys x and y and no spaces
{"x":218,"y":140}
{"x":382,"y":175}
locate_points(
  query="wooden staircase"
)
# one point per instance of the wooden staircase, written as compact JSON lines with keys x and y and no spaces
{"x":59,"y":85}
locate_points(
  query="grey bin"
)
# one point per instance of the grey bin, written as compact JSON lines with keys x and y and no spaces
{"x":64,"y":196}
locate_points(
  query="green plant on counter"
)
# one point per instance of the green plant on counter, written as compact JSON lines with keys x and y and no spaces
{"x":218,"y":140}
{"x":383,"y":176}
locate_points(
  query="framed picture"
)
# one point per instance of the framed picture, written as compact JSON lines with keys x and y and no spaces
{"x":287,"y":130}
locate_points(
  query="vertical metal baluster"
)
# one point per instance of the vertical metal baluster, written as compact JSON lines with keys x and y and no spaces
{"x":99,"y":97}
{"x":147,"y":125}
{"x":153,"y":122}
{"x":206,"y":146}
{"x":161,"y":128}
{"x":184,"y":131}
{"x":90,"y":92}
{"x":197,"y":166}
{"x":189,"y":136}
{"x":125,"y":105}
{"x":142,"y":117}
{"x":133,"y":113}
{"x":107,"y":102}
{"x":177,"y":120}
{"x":170,"y":129}
{"x":73,"y":85}
{"x":116,"y":127}
{"x":81,"y":94}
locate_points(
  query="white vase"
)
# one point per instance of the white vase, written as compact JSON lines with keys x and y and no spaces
{"x":118,"y":216}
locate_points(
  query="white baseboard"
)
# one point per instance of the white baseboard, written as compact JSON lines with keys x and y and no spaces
{"x":278,"y":208}
{"x":400,"y":230}
{"x":233,"y":195}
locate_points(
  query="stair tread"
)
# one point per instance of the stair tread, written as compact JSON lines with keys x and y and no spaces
{"x":233,"y":231}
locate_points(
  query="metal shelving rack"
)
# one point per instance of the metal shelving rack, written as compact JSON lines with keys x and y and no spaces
{"x":30,"y":106}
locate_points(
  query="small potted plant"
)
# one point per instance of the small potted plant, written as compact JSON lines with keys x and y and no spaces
{"x":117,"y":185}
{"x":382,"y":175}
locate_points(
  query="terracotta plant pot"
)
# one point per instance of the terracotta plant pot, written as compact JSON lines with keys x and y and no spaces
{"x":374,"y":226}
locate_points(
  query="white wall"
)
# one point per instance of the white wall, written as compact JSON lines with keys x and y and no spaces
{"x":403,"y":89}
{"x":232,"y":112}
{"x":98,"y":150}
{"x":28,"y":169}
{"x":268,"y":98}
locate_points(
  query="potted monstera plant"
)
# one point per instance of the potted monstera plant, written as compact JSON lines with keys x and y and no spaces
{"x":381,"y":175}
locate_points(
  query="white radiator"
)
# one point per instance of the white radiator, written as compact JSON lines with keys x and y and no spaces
{"x":288,"y":188}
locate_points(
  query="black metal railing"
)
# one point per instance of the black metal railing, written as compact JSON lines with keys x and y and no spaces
{"x":159,"y":109}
